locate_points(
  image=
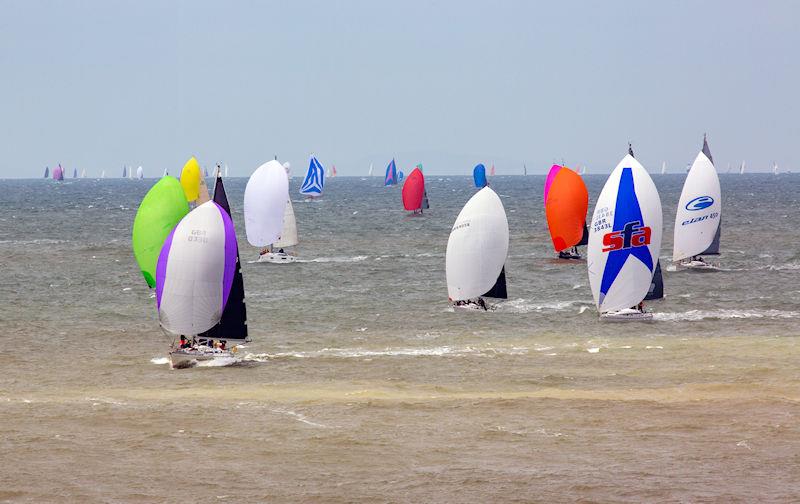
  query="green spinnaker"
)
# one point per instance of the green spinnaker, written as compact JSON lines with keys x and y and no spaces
{"x":162,"y":208}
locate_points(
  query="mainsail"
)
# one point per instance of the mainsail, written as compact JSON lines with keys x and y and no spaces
{"x":699,"y":216}
{"x":314,"y":182}
{"x":624,"y":237}
{"x":566,"y":203}
{"x":477,"y":247}
{"x":232,"y":325}
{"x":46,"y":171}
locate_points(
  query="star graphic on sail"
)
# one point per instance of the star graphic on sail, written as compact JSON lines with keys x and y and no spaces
{"x":629,"y":236}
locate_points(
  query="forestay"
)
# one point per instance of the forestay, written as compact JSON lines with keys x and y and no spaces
{"x":195,"y":271}
{"x":477,"y":247}
{"x":699,"y":213}
{"x":265,"y":200}
{"x":624,"y":237}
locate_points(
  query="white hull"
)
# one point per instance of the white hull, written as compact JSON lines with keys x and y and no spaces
{"x":698,"y":266}
{"x":182,"y":359}
{"x":276,"y":258}
{"x":626,"y":315}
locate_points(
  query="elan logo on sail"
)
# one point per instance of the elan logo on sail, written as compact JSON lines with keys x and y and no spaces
{"x":699,"y":203}
{"x":633,"y":234}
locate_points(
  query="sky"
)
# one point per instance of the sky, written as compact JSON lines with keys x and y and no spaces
{"x":101,"y":84}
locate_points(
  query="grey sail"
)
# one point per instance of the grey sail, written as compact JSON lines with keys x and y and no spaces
{"x":499,"y":289}
{"x":656,"y":290}
{"x":713,"y":249}
{"x":425,"y":204}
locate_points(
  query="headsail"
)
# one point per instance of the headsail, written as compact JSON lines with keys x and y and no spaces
{"x":315,"y":179}
{"x":656,"y":290}
{"x":391,"y":174}
{"x":566,"y":203}
{"x":479,"y":176}
{"x":477,"y":247}
{"x":265,"y":198}
{"x":195,"y":271}
{"x":624,"y":237}
{"x":414,"y":190}
{"x":697,"y":221}
{"x":288,"y":236}
{"x":162,"y":208}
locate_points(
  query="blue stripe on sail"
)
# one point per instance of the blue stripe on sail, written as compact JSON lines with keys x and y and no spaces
{"x":626,"y":211}
{"x":315,"y":179}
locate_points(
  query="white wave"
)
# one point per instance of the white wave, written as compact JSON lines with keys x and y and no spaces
{"x":526,"y":306}
{"x":695,"y":315}
{"x":219,"y":362}
{"x":160,"y":360}
{"x":299,"y":417}
{"x":780,"y":267}
{"x":333,"y":259}
{"x":593,"y":350}
{"x":351,"y":353}
{"x":40,"y":241}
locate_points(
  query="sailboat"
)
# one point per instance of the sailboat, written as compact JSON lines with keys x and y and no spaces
{"x":205,"y":172}
{"x":194,"y":283}
{"x":566,"y":202}
{"x":414,"y":192}
{"x":265,"y":199}
{"x":479,"y":176}
{"x":400,"y":175}
{"x":124,"y":171}
{"x":391,"y":174}
{"x":698,"y":222}
{"x":524,"y":169}
{"x":166,"y":172}
{"x":663,"y":167}
{"x":476,"y":252}
{"x":103,"y":174}
{"x":369,"y":174}
{"x":491,"y":172}
{"x":774,"y":168}
{"x":46,"y":172}
{"x":741,"y":168}
{"x":83,"y":173}
{"x":333,"y":171}
{"x":624,"y":242}
{"x":226,"y":170}
{"x":130,"y":173}
{"x":58,"y":173}
{"x":74,"y":173}
{"x":314,"y":182}
{"x":139,"y":173}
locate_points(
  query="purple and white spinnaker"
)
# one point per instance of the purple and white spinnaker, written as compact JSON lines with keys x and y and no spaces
{"x":195,"y":270}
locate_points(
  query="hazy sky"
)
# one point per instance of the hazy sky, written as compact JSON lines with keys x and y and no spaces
{"x":99,"y":84}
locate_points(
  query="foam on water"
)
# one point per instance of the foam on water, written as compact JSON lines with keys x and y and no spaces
{"x":160,"y":361}
{"x":694,"y":315}
{"x":350,"y":353}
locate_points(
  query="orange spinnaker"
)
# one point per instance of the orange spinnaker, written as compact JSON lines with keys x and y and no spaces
{"x":566,"y":207}
{"x":413,"y":190}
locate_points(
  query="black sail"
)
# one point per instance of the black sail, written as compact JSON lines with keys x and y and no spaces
{"x":585,"y":237}
{"x":499,"y":288}
{"x":656,"y":290}
{"x":233,"y":324}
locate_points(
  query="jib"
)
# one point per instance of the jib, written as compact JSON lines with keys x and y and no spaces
{"x":632,"y":235}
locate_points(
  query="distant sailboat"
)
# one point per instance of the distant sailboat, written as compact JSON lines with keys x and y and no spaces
{"x":698,"y":222}
{"x":139,"y":173}
{"x":479,"y":176}
{"x":333,"y":169}
{"x":74,"y":173}
{"x":566,"y":202}
{"x":624,"y":241}
{"x":400,"y":175}
{"x":83,"y":173}
{"x":476,"y":252}
{"x":369,"y":174}
{"x":265,"y":199}
{"x":124,"y":171}
{"x":103,"y":174}
{"x":226,"y":170}
{"x":414,"y":192}
{"x":314,"y":182}
{"x":205,"y":172}
{"x":46,"y":172}
{"x":774,"y":168}
{"x":663,"y":167}
{"x":491,"y":172}
{"x":58,"y":173}
{"x":166,"y":172}
{"x":524,"y":169}
{"x":741,"y":168}
{"x":582,"y":170}
{"x":391,"y":174}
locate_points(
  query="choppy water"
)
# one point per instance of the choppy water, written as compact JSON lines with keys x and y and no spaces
{"x":361,"y":385}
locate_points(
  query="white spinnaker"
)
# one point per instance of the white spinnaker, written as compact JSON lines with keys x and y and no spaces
{"x":139,"y":173}
{"x":288,"y":237}
{"x":699,"y":210}
{"x":191,"y":300}
{"x":477,"y":247}
{"x":265,"y":200}
{"x":632,"y":282}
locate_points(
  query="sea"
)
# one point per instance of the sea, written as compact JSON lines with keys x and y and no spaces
{"x":361,"y":384}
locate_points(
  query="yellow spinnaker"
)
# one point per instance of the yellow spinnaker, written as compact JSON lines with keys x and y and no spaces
{"x":190,"y":179}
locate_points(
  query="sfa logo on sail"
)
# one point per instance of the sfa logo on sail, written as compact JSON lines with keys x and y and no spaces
{"x":633,"y":234}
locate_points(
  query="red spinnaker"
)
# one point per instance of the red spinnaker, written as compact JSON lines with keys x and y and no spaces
{"x":413,"y":190}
